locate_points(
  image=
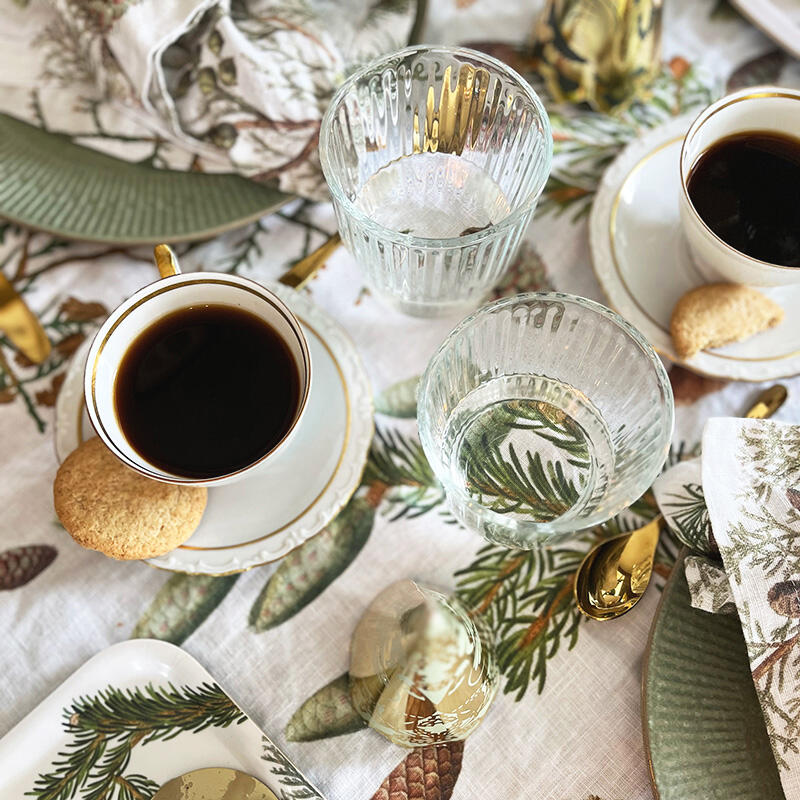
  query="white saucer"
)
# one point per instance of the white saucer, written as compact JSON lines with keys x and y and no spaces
{"x":261,"y":519}
{"x":642,"y":261}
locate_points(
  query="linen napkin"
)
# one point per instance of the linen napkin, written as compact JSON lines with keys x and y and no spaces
{"x":679,"y":494}
{"x":212,"y":85}
{"x":751,"y":481}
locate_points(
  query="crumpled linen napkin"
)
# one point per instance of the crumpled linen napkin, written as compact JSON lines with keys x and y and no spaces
{"x":216,"y":85}
{"x":680,"y":497}
{"x":750,"y":479}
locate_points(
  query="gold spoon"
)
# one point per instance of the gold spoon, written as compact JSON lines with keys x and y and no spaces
{"x":296,"y":277}
{"x":615,"y":573}
{"x":304,"y":269}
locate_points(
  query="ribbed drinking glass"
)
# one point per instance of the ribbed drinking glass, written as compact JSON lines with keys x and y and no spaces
{"x":542,"y":414}
{"x":435,"y":158}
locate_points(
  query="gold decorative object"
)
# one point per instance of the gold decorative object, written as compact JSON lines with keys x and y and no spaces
{"x":20,"y":324}
{"x":421,"y":670}
{"x":214,"y":783}
{"x":601,"y":52}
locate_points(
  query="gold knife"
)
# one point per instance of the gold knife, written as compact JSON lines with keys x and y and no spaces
{"x":20,"y":324}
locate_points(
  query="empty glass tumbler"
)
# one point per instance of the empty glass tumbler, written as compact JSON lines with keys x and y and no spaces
{"x":435,"y":158}
{"x":542,"y":414}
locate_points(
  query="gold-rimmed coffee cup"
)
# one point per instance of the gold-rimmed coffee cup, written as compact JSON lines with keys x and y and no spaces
{"x":770,"y":109}
{"x":173,"y":292}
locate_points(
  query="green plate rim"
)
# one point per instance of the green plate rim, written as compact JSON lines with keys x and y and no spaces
{"x":672,"y":585}
{"x":199,"y":234}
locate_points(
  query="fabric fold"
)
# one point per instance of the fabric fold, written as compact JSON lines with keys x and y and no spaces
{"x":209,"y":85}
{"x":750,"y":477}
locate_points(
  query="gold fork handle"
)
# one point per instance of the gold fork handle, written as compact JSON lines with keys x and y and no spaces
{"x":304,"y":269}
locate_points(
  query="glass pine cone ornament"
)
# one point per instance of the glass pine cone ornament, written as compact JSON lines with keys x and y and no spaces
{"x":421,"y":670}
{"x":601,"y":52}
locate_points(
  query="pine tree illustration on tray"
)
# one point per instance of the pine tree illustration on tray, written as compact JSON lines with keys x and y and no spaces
{"x":107,"y":726}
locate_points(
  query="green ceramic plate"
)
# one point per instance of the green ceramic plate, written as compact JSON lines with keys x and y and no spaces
{"x":702,"y":722}
{"x":50,"y":184}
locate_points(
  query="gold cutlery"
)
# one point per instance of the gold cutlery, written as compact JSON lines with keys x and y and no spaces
{"x":615,"y":574}
{"x":20,"y":324}
{"x":304,"y":270}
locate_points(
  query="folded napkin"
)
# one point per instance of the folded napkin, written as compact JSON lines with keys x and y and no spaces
{"x":679,"y":494}
{"x":214,"y":85}
{"x":750,"y":489}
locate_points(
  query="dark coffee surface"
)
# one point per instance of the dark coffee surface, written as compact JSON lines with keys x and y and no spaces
{"x":206,"y":391}
{"x":746,"y":187}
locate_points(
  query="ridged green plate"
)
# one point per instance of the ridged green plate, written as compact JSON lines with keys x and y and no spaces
{"x":702,"y":721}
{"x":51,"y":184}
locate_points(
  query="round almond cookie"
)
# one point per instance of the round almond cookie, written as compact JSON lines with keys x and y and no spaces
{"x":106,"y":506}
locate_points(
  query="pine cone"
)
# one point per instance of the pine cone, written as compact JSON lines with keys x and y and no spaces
{"x":426,"y":773}
{"x":784,"y":598}
{"x":22,"y":564}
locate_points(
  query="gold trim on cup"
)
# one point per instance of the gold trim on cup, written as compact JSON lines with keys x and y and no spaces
{"x":334,"y":473}
{"x":612,"y":232}
{"x":173,"y":285}
{"x":697,"y":124}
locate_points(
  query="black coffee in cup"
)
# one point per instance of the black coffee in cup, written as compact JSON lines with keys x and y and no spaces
{"x":206,"y":391}
{"x":746,"y":188}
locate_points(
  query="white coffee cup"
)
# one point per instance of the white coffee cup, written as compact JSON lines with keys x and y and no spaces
{"x":173,"y":292}
{"x":759,"y":108}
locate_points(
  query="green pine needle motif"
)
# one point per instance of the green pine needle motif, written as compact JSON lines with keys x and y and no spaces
{"x":293,"y":785}
{"x":586,"y":142}
{"x":526,"y":598}
{"x":398,"y":462}
{"x":507,"y":480}
{"x":690,"y":517}
{"x":107,"y":726}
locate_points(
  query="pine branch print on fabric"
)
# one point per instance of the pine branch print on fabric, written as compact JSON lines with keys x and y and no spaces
{"x":586,"y":142}
{"x":398,"y":464}
{"x":107,"y":726}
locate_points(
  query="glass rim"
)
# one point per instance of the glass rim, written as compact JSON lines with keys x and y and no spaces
{"x":407,"y":239}
{"x":552,"y":528}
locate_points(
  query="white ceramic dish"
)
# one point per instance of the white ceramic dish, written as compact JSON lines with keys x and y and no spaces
{"x":642,"y":261}
{"x":189,"y":731}
{"x":263,"y":517}
{"x":778,"y":19}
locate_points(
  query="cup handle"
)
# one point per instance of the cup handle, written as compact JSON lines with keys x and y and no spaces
{"x":165,"y":261}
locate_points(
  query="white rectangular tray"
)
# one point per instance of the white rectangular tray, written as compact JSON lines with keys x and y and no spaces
{"x":131,"y":718}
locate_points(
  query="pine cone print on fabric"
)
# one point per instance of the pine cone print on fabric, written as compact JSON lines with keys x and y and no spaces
{"x":426,"y":773}
{"x":182,"y":604}
{"x":307,"y":571}
{"x":328,"y":712}
{"x":19,"y":565}
{"x":784,"y":598}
